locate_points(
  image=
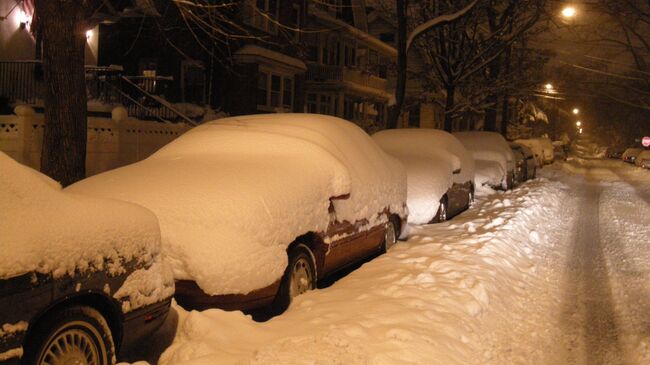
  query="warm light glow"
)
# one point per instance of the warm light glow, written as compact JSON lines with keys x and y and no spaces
{"x":569,"y":12}
{"x":23,"y":19}
{"x":580,"y":130}
{"x":89,"y":33}
{"x":548,"y":87}
{"x":578,"y":123}
{"x":576,"y":110}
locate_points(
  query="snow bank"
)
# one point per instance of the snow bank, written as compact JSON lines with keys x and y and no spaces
{"x":377,"y":181}
{"x":489,"y":146}
{"x":230,"y":200}
{"x":435,"y":299}
{"x":430,"y":157}
{"x":46,"y":230}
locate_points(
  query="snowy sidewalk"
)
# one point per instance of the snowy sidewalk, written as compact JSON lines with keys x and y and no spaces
{"x":446,"y":296}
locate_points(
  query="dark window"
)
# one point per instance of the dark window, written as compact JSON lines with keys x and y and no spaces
{"x":275,"y":90}
{"x":262,"y":81}
{"x":287,"y":93}
{"x":387,"y":37}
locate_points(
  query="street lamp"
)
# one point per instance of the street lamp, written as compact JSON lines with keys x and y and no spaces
{"x":548,"y":87}
{"x":569,"y":12}
{"x":576,"y":110}
{"x":578,"y":124}
{"x":580,"y":130}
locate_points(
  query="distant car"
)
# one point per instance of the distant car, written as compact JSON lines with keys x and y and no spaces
{"x":440,"y":172}
{"x":630,"y":154}
{"x":643,"y":159}
{"x":615,"y":153}
{"x":81,"y":279}
{"x":548,"y":150}
{"x":254,"y":210}
{"x":494,"y":160}
{"x":521,"y":163}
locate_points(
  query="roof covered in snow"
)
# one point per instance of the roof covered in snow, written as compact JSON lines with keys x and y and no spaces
{"x":488,"y":146}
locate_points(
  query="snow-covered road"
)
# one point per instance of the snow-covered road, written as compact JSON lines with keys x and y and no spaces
{"x":555,"y":272}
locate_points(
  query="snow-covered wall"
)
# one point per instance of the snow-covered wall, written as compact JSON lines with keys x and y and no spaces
{"x":112,"y":142}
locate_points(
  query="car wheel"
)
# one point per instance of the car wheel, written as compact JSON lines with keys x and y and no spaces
{"x":75,"y":335}
{"x":442,"y":211}
{"x":390,"y":236}
{"x":299,"y":277}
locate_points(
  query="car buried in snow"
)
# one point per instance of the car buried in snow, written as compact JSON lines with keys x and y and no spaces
{"x":494,"y":160}
{"x":255,"y":210}
{"x":81,"y":279}
{"x":440,"y":172}
{"x":530,"y":162}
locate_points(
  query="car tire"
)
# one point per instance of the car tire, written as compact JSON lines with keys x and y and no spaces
{"x":299,"y":277}
{"x":441,"y":216}
{"x":390,"y":236}
{"x":74,"y":333}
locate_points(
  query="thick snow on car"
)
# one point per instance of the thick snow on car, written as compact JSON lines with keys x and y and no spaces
{"x":530,"y":167}
{"x":255,"y":209}
{"x":495,"y":162}
{"x":535,"y":145}
{"x":440,"y":172}
{"x":631,"y":154}
{"x":80,"y":277}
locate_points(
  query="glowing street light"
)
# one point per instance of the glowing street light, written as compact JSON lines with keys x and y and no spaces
{"x":578,"y":124}
{"x":89,"y":33}
{"x":569,"y":12}
{"x":576,"y":110}
{"x":580,"y":130}
{"x":548,"y":87}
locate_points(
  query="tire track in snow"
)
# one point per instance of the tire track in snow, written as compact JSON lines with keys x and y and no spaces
{"x":588,"y":314}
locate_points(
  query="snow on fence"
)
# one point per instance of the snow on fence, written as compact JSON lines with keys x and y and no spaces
{"x":112,"y":142}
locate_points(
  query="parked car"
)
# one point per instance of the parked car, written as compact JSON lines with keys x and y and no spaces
{"x":494,"y":160}
{"x":520,"y":163}
{"x":254,"y":210}
{"x":643,"y":159}
{"x":615,"y":153}
{"x":630,"y":154}
{"x":80,"y":278}
{"x":531,"y":163}
{"x":535,"y":146}
{"x":547,"y":150}
{"x":440,"y":172}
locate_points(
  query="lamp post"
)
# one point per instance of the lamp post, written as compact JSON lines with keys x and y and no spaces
{"x":576,"y":111}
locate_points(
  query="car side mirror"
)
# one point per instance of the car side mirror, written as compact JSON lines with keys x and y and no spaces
{"x":457,"y":171}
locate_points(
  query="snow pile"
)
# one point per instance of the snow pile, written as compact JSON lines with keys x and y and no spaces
{"x":377,"y":181}
{"x":232,"y":195}
{"x":46,"y":230}
{"x":492,"y":147}
{"x":430,"y":157}
{"x":427,"y":301}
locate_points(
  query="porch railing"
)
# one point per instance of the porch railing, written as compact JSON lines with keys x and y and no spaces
{"x":22,"y":81}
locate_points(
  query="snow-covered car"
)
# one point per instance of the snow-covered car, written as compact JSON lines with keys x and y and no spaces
{"x":643,"y":159}
{"x":631,"y":154}
{"x":531,"y":162}
{"x":254,"y":210}
{"x":440,"y":172}
{"x":81,"y":278}
{"x":547,"y":150}
{"x":535,"y":146}
{"x":494,"y":160}
{"x":520,"y":163}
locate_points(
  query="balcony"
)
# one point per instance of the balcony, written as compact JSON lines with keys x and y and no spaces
{"x":342,"y":76}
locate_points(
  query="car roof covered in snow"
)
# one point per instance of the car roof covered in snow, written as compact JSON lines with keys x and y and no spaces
{"x":231,"y":196}
{"x":44,"y":229}
{"x":440,"y":145}
{"x":490,"y":146}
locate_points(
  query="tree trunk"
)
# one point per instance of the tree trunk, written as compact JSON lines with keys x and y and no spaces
{"x":64,"y":141}
{"x":449,"y":120}
{"x":505,"y":118}
{"x":491,"y":113}
{"x":400,"y":88}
